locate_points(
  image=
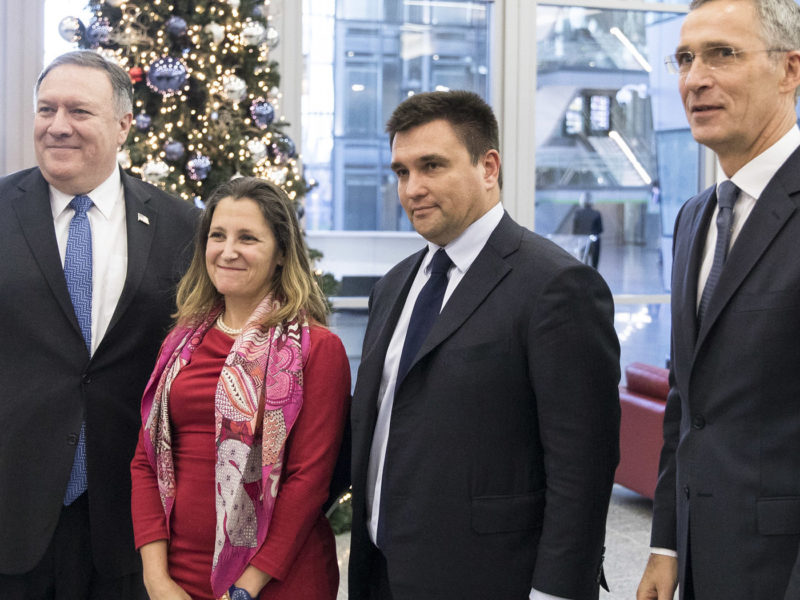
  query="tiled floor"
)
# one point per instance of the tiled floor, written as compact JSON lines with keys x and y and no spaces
{"x":643,"y":330}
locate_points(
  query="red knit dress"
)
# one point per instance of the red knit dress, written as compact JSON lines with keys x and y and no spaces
{"x":300,"y":551}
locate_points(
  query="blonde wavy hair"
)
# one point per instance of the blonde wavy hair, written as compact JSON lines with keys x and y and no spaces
{"x":294,"y":284}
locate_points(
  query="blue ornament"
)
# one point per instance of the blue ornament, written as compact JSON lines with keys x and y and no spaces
{"x":282,"y":149}
{"x":198,"y":167}
{"x":176,"y":26}
{"x":262,"y":112}
{"x":166,"y":75}
{"x":143,"y":121}
{"x":173,"y":150}
{"x":98,"y":32}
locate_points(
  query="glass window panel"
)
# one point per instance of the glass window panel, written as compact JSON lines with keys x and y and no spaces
{"x":363,"y":59}
{"x":609,"y":121}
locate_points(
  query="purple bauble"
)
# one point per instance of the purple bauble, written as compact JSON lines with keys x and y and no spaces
{"x":173,"y":150}
{"x":176,"y":26}
{"x":198,"y":167}
{"x":166,"y":75}
{"x":282,"y":149}
{"x":143,"y":121}
{"x":262,"y":112}
{"x":98,"y":32}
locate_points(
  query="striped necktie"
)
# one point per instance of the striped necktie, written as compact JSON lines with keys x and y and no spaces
{"x":727,"y":193}
{"x":78,"y":273}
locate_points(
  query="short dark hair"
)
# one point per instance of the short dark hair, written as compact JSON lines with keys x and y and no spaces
{"x":470,"y":116}
{"x":119,"y":79}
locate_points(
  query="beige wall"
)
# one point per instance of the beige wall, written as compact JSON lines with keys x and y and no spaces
{"x":21,"y":55}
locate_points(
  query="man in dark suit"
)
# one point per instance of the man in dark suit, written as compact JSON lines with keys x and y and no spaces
{"x":588,"y":221}
{"x":484,"y":448}
{"x":726,"y":520}
{"x":73,"y":367}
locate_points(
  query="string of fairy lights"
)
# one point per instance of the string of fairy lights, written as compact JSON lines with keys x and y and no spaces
{"x":206,"y":93}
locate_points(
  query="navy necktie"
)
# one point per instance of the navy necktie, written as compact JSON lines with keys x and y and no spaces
{"x":727,"y":193}
{"x":426,"y":309}
{"x":78,"y":273}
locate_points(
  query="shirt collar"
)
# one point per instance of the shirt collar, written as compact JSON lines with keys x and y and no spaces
{"x":465,"y":248}
{"x":104,"y":196}
{"x":753,"y":177}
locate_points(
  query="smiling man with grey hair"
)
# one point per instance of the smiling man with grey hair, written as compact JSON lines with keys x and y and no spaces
{"x":726,"y":518}
{"x":91,"y":257}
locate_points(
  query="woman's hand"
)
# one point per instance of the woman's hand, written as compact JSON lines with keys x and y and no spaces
{"x":159,"y":585}
{"x":253,"y":580}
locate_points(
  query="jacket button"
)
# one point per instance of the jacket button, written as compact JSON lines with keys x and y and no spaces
{"x":86,"y":378}
{"x":698,"y":422}
{"x":72,"y":439}
{"x":686,"y":491}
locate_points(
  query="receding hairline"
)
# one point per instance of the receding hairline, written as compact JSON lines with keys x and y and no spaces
{"x":117,"y":77}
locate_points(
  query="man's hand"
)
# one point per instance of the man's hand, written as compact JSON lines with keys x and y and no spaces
{"x":660,"y":578}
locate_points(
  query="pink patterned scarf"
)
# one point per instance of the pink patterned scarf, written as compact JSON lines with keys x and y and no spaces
{"x":263,"y":363}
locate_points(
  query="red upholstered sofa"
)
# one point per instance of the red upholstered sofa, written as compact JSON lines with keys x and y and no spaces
{"x":643,"y":400}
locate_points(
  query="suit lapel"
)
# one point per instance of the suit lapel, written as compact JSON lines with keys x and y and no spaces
{"x":32,"y":206}
{"x":770,"y":213}
{"x":372,"y":360}
{"x":141,"y":220}
{"x":488,"y":269}
{"x":689,"y":254}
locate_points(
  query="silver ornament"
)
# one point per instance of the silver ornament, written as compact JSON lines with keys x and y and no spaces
{"x":234,"y":88}
{"x":114,"y":2}
{"x":155,"y":171}
{"x":257,"y":149}
{"x":71,"y":29}
{"x":216,"y":31}
{"x":234,"y":3}
{"x":273,"y":37}
{"x":253,"y":33}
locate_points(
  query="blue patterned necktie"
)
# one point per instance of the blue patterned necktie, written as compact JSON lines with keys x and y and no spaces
{"x":78,"y":273}
{"x":727,"y":193}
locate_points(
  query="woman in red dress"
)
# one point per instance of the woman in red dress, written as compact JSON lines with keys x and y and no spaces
{"x":242,"y":419}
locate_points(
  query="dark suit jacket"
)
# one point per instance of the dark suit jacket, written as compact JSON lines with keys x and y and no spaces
{"x":48,"y":384}
{"x":504,"y":433}
{"x":731,"y":458}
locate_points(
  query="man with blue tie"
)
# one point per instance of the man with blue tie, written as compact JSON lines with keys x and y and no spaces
{"x":726,"y":515}
{"x":486,"y":412}
{"x":90,"y":260}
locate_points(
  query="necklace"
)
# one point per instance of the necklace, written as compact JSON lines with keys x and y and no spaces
{"x":224,"y":328}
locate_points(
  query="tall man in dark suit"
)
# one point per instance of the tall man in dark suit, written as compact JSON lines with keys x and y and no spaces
{"x":90,"y":260}
{"x":484,"y":446}
{"x":726,"y":520}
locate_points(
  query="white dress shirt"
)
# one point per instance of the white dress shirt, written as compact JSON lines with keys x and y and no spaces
{"x":751,"y":179}
{"x":109,"y":246}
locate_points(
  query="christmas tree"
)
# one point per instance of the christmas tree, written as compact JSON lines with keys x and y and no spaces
{"x":205,"y":91}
